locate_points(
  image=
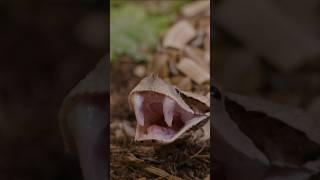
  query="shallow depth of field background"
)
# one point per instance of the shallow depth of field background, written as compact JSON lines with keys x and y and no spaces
{"x":46,"y":48}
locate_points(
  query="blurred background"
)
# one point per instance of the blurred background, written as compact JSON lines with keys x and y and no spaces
{"x":269,"y":49}
{"x":46,"y":48}
{"x":156,"y":37}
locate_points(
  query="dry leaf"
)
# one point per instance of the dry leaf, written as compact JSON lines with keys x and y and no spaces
{"x":185,"y":84}
{"x":193,"y":70}
{"x":199,"y":40}
{"x":179,"y":35}
{"x":199,"y":57}
{"x":207,"y":57}
{"x":207,"y":178}
{"x":195,"y":8}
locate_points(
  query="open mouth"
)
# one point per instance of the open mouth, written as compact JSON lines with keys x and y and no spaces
{"x":161,"y":118}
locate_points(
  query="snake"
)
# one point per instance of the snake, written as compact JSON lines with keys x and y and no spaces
{"x":164,"y":112}
{"x":83,"y":116}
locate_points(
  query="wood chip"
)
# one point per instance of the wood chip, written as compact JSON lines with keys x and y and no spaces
{"x":208,"y":31}
{"x":129,"y":130}
{"x":132,"y":158}
{"x":183,"y":83}
{"x":161,"y":173}
{"x":195,"y":8}
{"x":207,"y":40}
{"x":193,"y":70}
{"x":198,"y":41}
{"x":197,"y":55}
{"x":140,"y":71}
{"x":208,"y":12}
{"x":172,"y":67}
{"x":179,"y":35}
{"x":207,"y":178}
{"x":159,"y":66}
{"x":207,"y":57}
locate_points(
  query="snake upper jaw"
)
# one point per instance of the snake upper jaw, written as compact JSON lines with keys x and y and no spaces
{"x":163,"y":112}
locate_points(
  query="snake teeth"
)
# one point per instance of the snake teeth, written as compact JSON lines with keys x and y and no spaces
{"x":168,"y":108}
{"x":138,"y":101}
{"x":164,"y":113}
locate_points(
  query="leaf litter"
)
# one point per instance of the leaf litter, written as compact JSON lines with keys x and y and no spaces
{"x":146,"y":160}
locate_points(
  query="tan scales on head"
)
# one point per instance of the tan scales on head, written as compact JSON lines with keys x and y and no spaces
{"x":163,"y":112}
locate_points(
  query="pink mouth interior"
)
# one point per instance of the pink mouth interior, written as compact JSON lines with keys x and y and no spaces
{"x":151,"y":110}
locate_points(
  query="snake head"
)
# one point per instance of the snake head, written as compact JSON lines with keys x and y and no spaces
{"x":163,"y":112}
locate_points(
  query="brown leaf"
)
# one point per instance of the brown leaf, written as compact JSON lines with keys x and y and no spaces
{"x":198,"y":56}
{"x":193,"y":70}
{"x":195,"y":8}
{"x":179,"y":35}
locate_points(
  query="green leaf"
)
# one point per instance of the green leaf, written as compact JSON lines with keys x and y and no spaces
{"x":134,"y":31}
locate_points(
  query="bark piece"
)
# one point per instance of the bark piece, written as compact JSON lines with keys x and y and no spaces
{"x":193,"y":70}
{"x":179,"y":35}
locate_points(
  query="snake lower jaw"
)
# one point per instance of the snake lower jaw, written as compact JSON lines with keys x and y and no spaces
{"x":160,"y":118}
